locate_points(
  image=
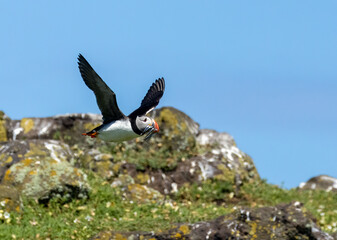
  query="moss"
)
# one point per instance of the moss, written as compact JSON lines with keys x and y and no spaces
{"x":141,"y":193}
{"x":36,"y":150}
{"x":227,"y":174}
{"x":142,"y":178}
{"x":170,"y":119}
{"x":27,"y":124}
{"x":57,"y":135}
{"x":3,"y":131}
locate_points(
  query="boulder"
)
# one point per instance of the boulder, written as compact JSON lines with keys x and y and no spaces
{"x":322,"y":182}
{"x":40,"y":169}
{"x":235,"y":164}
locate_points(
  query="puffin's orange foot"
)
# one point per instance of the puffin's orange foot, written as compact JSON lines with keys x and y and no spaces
{"x":91,"y":134}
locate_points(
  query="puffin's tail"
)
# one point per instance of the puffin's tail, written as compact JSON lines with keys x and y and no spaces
{"x":92,"y":134}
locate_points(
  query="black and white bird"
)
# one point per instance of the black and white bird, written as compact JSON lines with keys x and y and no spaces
{"x":116,"y":126}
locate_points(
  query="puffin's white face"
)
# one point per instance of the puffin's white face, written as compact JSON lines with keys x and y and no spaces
{"x":147,"y":125}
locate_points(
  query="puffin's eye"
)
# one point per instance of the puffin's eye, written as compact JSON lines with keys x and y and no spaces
{"x":145,"y":120}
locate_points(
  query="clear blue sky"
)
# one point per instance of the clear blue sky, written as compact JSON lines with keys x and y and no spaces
{"x":263,"y":71}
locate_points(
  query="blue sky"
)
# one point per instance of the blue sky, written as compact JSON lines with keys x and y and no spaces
{"x":263,"y":71}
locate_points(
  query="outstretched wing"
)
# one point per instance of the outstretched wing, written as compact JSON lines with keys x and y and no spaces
{"x":151,"y":99}
{"x":105,"y":97}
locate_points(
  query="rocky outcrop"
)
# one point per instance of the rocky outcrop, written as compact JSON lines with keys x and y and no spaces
{"x":50,"y":150}
{"x":283,"y":222}
{"x":38,"y":148}
{"x":322,"y":182}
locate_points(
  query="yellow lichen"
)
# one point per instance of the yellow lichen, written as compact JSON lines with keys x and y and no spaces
{"x":52,"y":173}
{"x":185,"y":229}
{"x":253,"y":230}
{"x":32,"y":172}
{"x":142,"y":178}
{"x":27,"y":124}
{"x":17,"y":208}
{"x":119,"y":236}
{"x":77,"y":173}
{"x":26,"y":162}
{"x":177,"y":235}
{"x":8,"y":176}
{"x":9,"y":160}
{"x":3,"y":131}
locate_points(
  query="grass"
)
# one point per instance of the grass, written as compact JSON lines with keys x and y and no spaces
{"x":107,"y":210}
{"x":104,"y":210}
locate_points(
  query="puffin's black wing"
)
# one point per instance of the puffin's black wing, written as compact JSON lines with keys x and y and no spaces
{"x":105,"y":97}
{"x":151,"y":99}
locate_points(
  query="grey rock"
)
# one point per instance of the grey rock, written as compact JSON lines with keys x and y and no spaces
{"x":322,"y":182}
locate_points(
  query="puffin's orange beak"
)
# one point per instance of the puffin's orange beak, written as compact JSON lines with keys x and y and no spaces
{"x":156,"y":127}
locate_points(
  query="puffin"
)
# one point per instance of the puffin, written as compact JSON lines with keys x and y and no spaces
{"x":116,"y":126}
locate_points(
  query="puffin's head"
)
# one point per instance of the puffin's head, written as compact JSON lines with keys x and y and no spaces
{"x":147,"y":125}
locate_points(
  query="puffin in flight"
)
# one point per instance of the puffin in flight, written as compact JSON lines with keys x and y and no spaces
{"x":116,"y":126}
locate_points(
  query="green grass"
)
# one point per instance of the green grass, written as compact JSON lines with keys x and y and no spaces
{"x":107,"y":210}
{"x":104,"y":210}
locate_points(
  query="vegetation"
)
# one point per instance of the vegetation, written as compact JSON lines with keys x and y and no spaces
{"x":106,"y":209}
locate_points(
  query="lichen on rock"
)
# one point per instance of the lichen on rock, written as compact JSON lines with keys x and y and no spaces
{"x":41,"y":170}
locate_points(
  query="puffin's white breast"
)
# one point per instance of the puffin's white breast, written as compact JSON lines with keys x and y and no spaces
{"x":117,"y":131}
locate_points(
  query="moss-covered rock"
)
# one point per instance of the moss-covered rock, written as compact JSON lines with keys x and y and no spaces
{"x":177,"y":130}
{"x":40,"y":169}
{"x":93,"y":159}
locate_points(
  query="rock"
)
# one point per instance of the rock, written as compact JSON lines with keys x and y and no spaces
{"x":212,"y":138}
{"x":177,"y":130}
{"x":62,"y":127}
{"x":193,"y":170}
{"x":136,"y":192}
{"x":40,"y":169}
{"x":93,"y":159}
{"x":15,"y":151}
{"x":283,"y":222}
{"x":3,"y":126}
{"x":322,"y":182}
{"x":222,"y":145}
